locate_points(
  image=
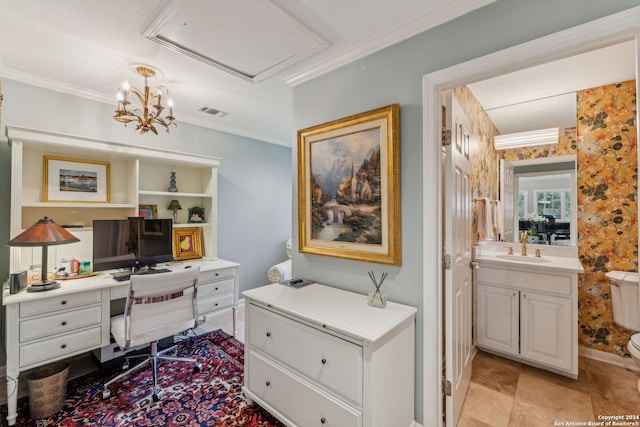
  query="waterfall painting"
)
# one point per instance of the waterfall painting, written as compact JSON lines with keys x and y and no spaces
{"x":349,"y":189}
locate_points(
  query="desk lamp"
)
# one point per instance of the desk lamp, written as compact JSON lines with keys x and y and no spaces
{"x":43,"y":233}
{"x":175,"y":207}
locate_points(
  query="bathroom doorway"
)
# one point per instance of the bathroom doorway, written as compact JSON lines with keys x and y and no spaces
{"x":598,"y":34}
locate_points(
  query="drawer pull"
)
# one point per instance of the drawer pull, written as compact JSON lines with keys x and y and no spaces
{"x":324,"y":361}
{"x":216,"y":304}
{"x":64,"y":323}
{"x":268,"y":383}
{"x":63,"y":346}
{"x":323,"y":420}
{"x":217,"y":274}
{"x":217,"y":288}
{"x":268,"y":334}
{"x":63,"y":302}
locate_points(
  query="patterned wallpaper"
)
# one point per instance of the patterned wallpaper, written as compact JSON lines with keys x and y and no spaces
{"x":604,"y":142}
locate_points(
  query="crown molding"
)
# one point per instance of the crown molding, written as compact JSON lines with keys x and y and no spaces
{"x":110,"y":99}
{"x":400,"y":33}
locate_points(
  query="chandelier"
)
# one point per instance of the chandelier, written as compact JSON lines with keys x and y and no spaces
{"x":152,"y":108}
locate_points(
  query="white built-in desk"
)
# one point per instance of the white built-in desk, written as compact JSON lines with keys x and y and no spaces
{"x":43,"y":327}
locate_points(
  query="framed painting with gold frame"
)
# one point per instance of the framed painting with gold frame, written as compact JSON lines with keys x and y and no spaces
{"x":187,"y":243}
{"x":75,"y":180}
{"x":349,"y":187}
{"x":148,"y":211}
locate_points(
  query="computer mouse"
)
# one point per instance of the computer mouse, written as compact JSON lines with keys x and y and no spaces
{"x":187,"y":266}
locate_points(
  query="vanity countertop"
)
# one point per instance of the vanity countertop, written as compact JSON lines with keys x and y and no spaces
{"x":498,"y":256}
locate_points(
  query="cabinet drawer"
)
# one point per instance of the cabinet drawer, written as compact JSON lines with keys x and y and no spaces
{"x":208,"y":289}
{"x":538,"y":281}
{"x":212,"y":304}
{"x":300,"y":401}
{"x":212,"y":275}
{"x":60,"y":346}
{"x":57,"y":303}
{"x":60,"y":323}
{"x":330,"y":361}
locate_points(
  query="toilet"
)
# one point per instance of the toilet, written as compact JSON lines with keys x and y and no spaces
{"x":626,"y":307}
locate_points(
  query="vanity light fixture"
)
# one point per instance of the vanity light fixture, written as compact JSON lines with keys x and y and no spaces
{"x":527,"y":139}
{"x":152,"y":108}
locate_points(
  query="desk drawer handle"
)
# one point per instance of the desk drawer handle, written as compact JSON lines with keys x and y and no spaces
{"x":63,"y":346}
{"x":324,"y":361}
{"x":216,"y":304}
{"x":217,"y":288}
{"x":268,"y":334}
{"x":63,"y":302}
{"x":268,"y":383}
{"x":323,"y":420}
{"x":217,"y":274}
{"x":64,"y":323}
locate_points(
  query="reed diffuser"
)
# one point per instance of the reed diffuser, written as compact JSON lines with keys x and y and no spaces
{"x":377,"y":298}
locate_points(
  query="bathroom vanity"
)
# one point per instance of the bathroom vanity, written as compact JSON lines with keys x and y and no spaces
{"x":527,"y":306}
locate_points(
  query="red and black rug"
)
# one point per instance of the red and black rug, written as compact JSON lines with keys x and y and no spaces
{"x":212,"y":397}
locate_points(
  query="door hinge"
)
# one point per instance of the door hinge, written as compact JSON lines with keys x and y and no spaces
{"x":446,"y":261}
{"x":446,"y":137}
{"x":446,"y":387}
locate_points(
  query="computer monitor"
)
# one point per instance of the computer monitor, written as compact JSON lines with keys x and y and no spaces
{"x":155,"y":241}
{"x":113,"y":245}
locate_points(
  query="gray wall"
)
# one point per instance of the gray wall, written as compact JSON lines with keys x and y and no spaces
{"x":254,"y":185}
{"x":394,"y":75}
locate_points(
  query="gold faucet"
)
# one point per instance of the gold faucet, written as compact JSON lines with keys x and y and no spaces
{"x":523,"y":239}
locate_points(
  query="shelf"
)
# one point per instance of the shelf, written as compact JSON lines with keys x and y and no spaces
{"x":167,"y":193}
{"x":78,"y":205}
{"x":191,"y":224}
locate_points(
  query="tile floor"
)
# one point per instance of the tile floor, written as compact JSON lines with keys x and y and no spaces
{"x":510,"y":394}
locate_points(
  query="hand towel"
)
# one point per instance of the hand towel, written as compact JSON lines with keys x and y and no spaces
{"x":280,"y":272}
{"x":498,"y":216}
{"x":485,"y":219}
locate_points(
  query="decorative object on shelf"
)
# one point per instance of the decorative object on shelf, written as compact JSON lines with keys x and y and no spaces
{"x":534,"y":220}
{"x":152,"y":107}
{"x":360,"y":218}
{"x":43,"y":233}
{"x":75,"y":180}
{"x":172,"y":183}
{"x":377,"y":298}
{"x":175,"y":207}
{"x":186,"y":243}
{"x":196,"y":215}
{"x":148,"y":211}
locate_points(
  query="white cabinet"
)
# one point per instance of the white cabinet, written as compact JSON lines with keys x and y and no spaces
{"x":528,"y":315}
{"x":321,"y":356}
{"x":138,"y":176}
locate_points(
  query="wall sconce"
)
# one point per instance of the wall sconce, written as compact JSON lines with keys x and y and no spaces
{"x":175,"y":207}
{"x":43,"y":233}
{"x":527,"y":139}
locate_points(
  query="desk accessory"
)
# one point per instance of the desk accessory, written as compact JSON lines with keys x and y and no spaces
{"x":296,"y":282}
{"x":43,"y":233}
{"x":17,"y":281}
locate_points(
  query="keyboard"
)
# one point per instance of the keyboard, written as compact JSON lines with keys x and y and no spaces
{"x":124,"y":277}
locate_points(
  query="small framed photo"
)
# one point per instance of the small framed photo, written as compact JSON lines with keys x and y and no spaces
{"x":187,"y":243}
{"x":148,"y":211}
{"x":196,"y":215}
{"x":75,"y":180}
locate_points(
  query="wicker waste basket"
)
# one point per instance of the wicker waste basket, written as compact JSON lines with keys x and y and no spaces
{"x":47,"y":389}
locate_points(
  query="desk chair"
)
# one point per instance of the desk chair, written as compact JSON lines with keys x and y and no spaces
{"x":158,"y":306}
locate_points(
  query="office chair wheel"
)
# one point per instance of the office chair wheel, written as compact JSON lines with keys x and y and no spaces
{"x":197,"y":368}
{"x":106,"y":393}
{"x":157,"y":395}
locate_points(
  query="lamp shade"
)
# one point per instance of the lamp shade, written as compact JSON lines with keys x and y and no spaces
{"x":174,"y":205}
{"x":44,"y":233}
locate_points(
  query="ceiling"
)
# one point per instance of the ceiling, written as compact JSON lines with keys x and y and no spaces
{"x":240,"y":57}
{"x":544,"y":96}
{"x":243,"y":57}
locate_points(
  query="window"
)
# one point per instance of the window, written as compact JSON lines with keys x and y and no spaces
{"x":556,"y":203}
{"x":522,"y":203}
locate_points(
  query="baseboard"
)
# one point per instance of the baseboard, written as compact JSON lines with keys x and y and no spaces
{"x":610,"y":358}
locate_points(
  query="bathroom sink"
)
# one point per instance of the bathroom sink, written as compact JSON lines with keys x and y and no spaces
{"x":520,"y":258}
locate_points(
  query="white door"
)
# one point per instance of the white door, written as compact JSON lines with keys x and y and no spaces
{"x":497,"y":320}
{"x":509,"y":202}
{"x":545,"y":325}
{"x":458,"y":286}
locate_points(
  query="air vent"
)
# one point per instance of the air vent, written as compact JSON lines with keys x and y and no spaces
{"x":212,"y":111}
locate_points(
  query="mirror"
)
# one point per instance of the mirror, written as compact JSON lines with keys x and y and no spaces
{"x":543,"y":200}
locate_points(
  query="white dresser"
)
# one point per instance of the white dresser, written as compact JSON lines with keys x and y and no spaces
{"x":320,"y":356}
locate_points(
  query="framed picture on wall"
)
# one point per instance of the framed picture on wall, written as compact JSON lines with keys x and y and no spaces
{"x":148,"y":211}
{"x":187,"y":243}
{"x":75,"y":180}
{"x":349,"y":187}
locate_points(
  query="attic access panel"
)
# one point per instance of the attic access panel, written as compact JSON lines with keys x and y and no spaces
{"x":248,"y":39}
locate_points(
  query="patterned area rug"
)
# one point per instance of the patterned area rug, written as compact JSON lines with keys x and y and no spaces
{"x":212,"y":397}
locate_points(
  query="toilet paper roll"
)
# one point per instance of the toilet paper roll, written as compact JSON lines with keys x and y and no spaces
{"x":280,"y":272}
